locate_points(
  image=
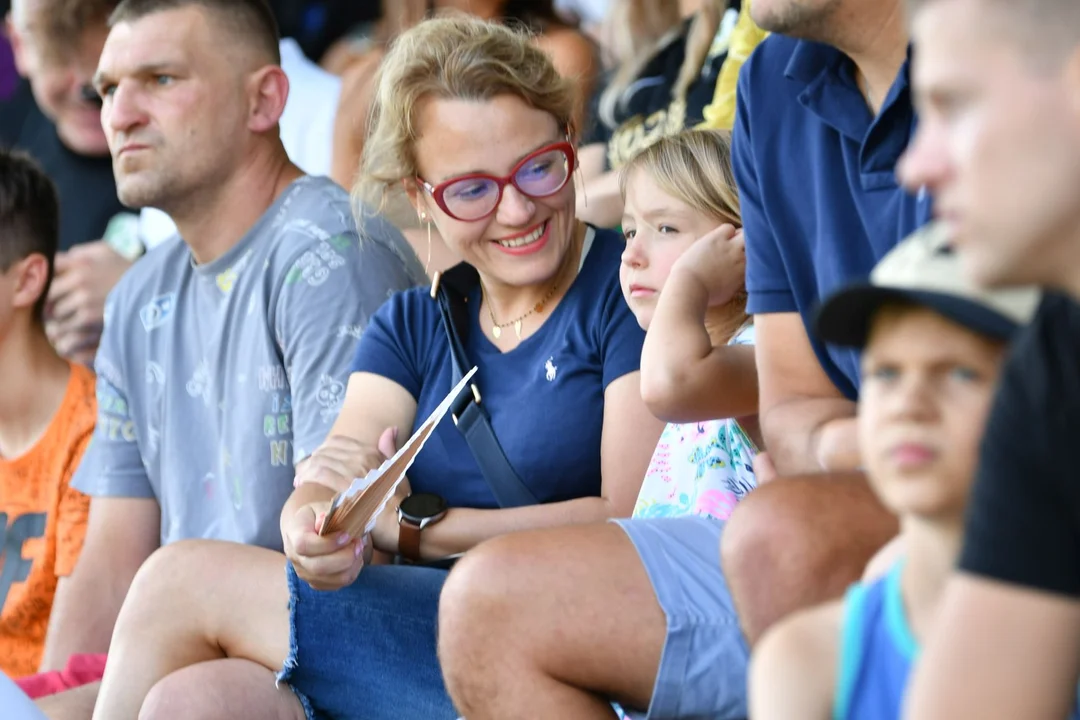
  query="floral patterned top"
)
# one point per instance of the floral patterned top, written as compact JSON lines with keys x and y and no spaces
{"x":699,"y":468}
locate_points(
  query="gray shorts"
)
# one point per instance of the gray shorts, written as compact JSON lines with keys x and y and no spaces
{"x":703,"y":667}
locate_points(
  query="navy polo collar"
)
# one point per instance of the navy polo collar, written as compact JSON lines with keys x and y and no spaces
{"x":809,"y":60}
{"x":831,"y":92}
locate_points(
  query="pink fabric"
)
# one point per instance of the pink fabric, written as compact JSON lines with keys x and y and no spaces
{"x":80,"y":670}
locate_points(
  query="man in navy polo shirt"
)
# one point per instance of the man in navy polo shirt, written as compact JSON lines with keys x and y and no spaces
{"x":824,"y":112}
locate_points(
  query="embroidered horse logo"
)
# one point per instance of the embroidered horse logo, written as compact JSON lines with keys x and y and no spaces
{"x":549,"y":366}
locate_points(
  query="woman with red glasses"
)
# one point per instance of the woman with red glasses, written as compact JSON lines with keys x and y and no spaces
{"x":471,"y":122}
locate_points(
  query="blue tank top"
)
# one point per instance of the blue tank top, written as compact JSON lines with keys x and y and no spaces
{"x":876,"y":651}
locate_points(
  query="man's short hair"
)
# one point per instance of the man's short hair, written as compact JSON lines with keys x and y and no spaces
{"x":250,"y":21}
{"x":1048,"y":30}
{"x":29,"y":216}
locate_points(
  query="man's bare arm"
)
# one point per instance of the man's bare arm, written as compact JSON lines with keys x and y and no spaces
{"x":807,"y":423}
{"x":121,"y":534}
{"x":1009,"y":652}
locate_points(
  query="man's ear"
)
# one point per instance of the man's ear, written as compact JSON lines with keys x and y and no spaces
{"x":18,"y":46}
{"x":269,"y":91}
{"x":31,"y":282}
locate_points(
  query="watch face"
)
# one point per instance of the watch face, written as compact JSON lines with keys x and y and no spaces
{"x":420,"y":506}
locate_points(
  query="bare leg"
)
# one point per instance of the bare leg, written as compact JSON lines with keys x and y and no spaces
{"x":548,"y":624}
{"x":221,"y":690}
{"x":74,"y":704}
{"x":799,"y":541}
{"x":193,"y":602}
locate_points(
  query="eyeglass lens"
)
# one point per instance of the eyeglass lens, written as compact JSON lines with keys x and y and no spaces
{"x":540,"y":176}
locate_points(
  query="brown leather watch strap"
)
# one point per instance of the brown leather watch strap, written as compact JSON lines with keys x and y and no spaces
{"x":409,"y":540}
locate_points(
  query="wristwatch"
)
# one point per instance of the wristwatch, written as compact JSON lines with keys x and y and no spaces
{"x":415,"y":513}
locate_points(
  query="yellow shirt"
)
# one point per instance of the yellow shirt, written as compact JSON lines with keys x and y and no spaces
{"x":720,"y":113}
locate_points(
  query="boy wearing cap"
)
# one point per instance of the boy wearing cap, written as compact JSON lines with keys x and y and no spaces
{"x":932,"y":346}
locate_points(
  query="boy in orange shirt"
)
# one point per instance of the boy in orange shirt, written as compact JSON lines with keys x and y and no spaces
{"x":47,"y":413}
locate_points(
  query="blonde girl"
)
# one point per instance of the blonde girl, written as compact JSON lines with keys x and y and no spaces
{"x":683,"y":277}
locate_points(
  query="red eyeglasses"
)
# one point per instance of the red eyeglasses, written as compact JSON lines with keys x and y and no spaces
{"x":474,"y":197}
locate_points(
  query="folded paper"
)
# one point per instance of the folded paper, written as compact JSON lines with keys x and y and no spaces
{"x":354,"y":511}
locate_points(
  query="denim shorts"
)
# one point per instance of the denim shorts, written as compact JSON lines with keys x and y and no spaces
{"x":368,"y":651}
{"x":703,"y":667}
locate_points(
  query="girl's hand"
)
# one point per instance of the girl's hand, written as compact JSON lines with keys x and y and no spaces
{"x":324,"y":563}
{"x":716,"y":262}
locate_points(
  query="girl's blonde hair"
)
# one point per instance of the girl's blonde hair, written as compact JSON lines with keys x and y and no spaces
{"x":694,"y":167}
{"x":449,"y":58}
{"x":640,"y":29}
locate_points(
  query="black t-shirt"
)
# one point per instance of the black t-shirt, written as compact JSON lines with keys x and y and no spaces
{"x":1023,"y":524}
{"x":647,"y":111}
{"x":85,"y":184}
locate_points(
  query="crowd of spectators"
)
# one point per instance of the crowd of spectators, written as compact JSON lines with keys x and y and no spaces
{"x":773,"y":307}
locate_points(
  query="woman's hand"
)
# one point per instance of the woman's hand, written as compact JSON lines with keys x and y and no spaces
{"x":324,"y":563}
{"x":717,"y":262}
{"x":340,"y":459}
{"x":385,"y":534}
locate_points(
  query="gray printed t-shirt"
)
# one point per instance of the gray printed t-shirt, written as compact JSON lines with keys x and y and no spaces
{"x":215,"y":380}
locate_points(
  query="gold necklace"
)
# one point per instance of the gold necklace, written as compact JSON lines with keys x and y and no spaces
{"x":497,"y":328}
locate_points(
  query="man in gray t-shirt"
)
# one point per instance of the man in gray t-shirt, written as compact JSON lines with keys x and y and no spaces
{"x":215,"y":380}
{"x":225,"y":354}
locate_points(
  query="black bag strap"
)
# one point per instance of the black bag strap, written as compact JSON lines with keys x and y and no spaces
{"x":451,"y":289}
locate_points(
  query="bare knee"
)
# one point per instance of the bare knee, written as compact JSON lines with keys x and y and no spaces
{"x":477,"y":594}
{"x":171,"y":697}
{"x":481,"y":605}
{"x":177,"y":696}
{"x":796,"y":542}
{"x":169,"y":568}
{"x":218,"y":691}
{"x":162,"y":588}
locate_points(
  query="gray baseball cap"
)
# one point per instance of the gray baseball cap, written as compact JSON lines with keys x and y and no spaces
{"x":923,"y":270}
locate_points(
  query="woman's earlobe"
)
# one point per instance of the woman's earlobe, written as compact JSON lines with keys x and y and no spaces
{"x":412,"y":192}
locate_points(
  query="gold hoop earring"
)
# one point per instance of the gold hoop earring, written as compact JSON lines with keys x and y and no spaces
{"x":581,"y":179}
{"x":422,"y":216}
{"x":428,"y":265}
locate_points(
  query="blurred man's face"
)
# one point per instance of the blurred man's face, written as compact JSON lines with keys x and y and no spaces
{"x":175,"y":107}
{"x":998,"y":143}
{"x":797,"y":18}
{"x":60,"y":80}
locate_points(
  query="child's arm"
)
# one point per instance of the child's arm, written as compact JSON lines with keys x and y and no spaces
{"x":65,"y":635}
{"x":793,"y":672}
{"x":683,"y":377}
{"x":121,"y":534}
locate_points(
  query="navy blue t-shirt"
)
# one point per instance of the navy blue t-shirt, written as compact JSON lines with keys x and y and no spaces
{"x":815,"y":169}
{"x":85,"y":185}
{"x":545,"y":397}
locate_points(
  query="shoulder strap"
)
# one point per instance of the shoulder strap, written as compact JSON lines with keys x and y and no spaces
{"x":896,"y":617}
{"x":451,"y":289}
{"x":851,"y":650}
